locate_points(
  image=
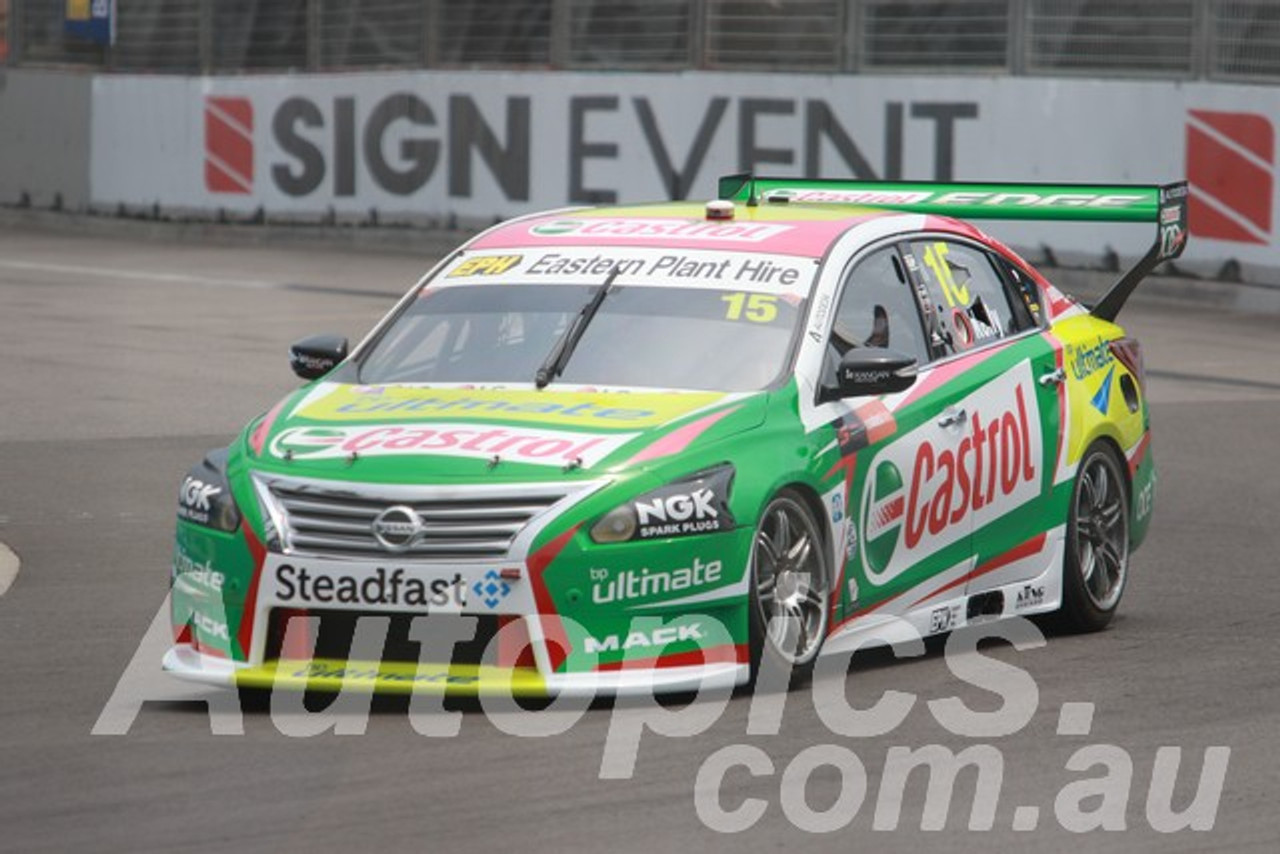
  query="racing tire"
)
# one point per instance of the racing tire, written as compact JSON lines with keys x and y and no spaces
{"x":790,"y":592}
{"x":1096,"y":563}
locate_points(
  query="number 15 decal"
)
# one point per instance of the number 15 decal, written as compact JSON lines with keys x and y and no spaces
{"x":935,"y":258}
{"x":757,"y":308}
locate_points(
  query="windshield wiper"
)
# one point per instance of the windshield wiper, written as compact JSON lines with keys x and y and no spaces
{"x":556,"y":360}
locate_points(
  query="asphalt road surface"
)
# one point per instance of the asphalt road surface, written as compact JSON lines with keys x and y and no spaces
{"x":124,"y":360}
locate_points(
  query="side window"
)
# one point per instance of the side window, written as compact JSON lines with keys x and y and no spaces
{"x":968,"y":301}
{"x":1027,"y":295}
{"x":876,"y":309}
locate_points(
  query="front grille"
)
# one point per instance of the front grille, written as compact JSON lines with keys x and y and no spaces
{"x":460,"y":523}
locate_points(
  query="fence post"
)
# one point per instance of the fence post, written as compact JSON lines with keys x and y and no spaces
{"x":1019,"y":21}
{"x":313,"y":35}
{"x":698,"y":34}
{"x":560,"y":35}
{"x":204,"y":36}
{"x":430,"y":48}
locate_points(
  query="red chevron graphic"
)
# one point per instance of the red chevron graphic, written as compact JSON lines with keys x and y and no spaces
{"x":1231,"y":169}
{"x":228,"y":145}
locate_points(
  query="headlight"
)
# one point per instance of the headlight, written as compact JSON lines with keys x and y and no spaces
{"x":205,"y":496}
{"x":698,"y":504}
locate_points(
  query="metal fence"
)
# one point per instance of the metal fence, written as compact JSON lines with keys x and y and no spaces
{"x":1179,"y":39}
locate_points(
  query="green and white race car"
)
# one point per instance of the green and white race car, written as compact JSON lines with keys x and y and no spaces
{"x":665,"y":447}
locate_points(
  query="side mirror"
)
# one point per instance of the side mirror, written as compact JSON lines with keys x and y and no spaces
{"x":316,"y":356}
{"x":872,"y":370}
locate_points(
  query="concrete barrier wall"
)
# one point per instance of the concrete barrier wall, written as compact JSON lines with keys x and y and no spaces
{"x":44,"y":137}
{"x":470,"y":146}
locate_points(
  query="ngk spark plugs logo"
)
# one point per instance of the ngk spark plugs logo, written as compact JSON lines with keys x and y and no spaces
{"x":228,"y":145}
{"x":936,"y":484}
{"x":1231,"y":168}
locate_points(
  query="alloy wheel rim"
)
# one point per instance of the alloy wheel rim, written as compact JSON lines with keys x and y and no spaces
{"x":1102,"y":533}
{"x":790,"y":587}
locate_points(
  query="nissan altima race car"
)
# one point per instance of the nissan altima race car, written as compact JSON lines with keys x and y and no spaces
{"x":661,"y":447}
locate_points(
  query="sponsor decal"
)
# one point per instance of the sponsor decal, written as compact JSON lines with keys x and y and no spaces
{"x":197,"y":573}
{"x":492,"y":588}
{"x":1231,"y":170}
{"x":944,"y":619}
{"x":1101,"y":399}
{"x":837,"y":508}
{"x":484,"y":265}
{"x":602,"y":410}
{"x":1030,"y":596}
{"x":853,"y":590}
{"x":698,"y":505}
{"x":882,"y":518}
{"x":659,"y":229}
{"x":379,"y":588}
{"x":207,"y":627}
{"x":929,"y":489}
{"x":657,"y":638}
{"x":1085,"y":360}
{"x":422,"y":673}
{"x":194,"y":497}
{"x":524,"y":445}
{"x":644,"y":583}
{"x":1145,"y":499}
{"x":228,"y":145}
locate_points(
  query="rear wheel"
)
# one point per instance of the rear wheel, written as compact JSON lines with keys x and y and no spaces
{"x":1097,"y":558}
{"x":790,"y":589}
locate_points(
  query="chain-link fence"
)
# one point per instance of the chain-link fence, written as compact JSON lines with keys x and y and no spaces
{"x":1179,"y":39}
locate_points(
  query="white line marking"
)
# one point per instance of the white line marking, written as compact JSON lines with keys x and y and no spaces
{"x":8,"y":568}
{"x":231,"y":121}
{"x":117,"y":273}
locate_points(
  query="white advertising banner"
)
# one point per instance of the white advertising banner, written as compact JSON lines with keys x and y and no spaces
{"x":479,"y":145}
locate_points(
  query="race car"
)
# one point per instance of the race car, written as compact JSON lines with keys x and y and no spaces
{"x":671,"y":446}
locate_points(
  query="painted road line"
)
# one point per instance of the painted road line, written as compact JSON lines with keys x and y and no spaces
{"x":139,"y":275}
{"x":8,"y":568}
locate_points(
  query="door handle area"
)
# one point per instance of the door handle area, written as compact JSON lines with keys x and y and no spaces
{"x":952,"y":417}
{"x":1055,"y":377}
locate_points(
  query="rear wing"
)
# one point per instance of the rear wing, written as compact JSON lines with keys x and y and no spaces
{"x":1163,"y":205}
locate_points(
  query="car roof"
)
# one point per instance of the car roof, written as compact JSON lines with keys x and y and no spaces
{"x":807,"y":231}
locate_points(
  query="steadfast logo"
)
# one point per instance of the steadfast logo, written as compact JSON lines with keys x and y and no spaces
{"x":934,"y":485}
{"x":228,"y":145}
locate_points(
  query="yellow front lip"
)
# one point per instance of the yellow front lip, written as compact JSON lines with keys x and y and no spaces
{"x":333,"y":675}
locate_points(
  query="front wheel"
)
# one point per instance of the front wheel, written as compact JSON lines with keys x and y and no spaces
{"x":790,"y":589}
{"x":1097,"y":554}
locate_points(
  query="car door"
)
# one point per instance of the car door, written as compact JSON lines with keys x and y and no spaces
{"x":997,"y":379}
{"x":890,"y":549}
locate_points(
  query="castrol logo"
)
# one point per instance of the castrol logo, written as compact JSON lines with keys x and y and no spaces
{"x":934,"y":485}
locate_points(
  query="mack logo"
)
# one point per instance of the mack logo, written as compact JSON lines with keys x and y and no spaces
{"x":644,"y":640}
{"x":195,"y":494}
{"x":929,"y":489}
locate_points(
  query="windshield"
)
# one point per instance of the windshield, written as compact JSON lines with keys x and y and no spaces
{"x":665,"y":337}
